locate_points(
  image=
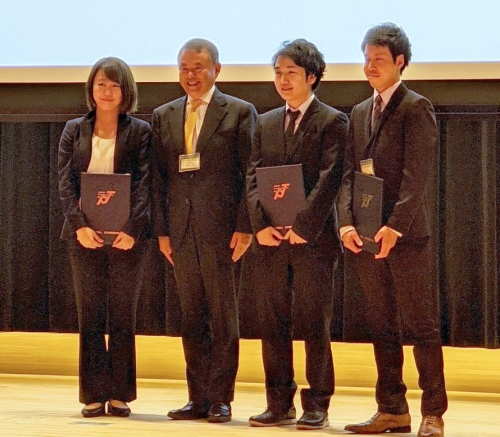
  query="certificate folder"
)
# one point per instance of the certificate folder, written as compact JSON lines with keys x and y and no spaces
{"x":367,"y":209}
{"x":105,"y":201}
{"x":281,"y":193}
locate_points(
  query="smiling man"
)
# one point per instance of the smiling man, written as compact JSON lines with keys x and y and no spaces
{"x":392,"y":135}
{"x":201,"y":144}
{"x":294,"y":278}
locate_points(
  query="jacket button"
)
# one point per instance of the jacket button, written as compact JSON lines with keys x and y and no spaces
{"x":187,"y":201}
{"x":191,"y":175}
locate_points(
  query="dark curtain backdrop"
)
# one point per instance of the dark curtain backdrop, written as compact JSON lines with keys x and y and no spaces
{"x":35,"y":279}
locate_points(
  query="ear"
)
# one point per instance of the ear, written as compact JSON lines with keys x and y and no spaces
{"x":217,"y":69}
{"x":311,"y":79}
{"x":400,"y":60}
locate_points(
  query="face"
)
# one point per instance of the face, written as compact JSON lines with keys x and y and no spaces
{"x":381,"y":70}
{"x":292,"y":82}
{"x":197,"y":74}
{"x":107,"y":94}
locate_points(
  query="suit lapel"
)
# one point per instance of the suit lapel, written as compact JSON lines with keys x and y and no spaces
{"x":177,"y":111}
{"x":278,"y":125}
{"x":216,"y":111}
{"x":122,"y":135}
{"x":307,"y":119}
{"x":84,"y":153}
{"x":391,"y":106}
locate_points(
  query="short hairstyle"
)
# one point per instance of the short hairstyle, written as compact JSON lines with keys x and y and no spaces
{"x":198,"y":45}
{"x":393,"y":37}
{"x":117,"y":71}
{"x":306,"y":55}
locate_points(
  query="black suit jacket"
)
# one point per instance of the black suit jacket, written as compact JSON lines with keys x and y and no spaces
{"x":213,"y":196}
{"x":131,"y":156}
{"x":319,"y":147}
{"x":402,"y":148}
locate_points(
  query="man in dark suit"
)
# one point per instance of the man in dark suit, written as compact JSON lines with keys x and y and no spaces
{"x":396,"y":145}
{"x":294,"y":272}
{"x":201,"y":145}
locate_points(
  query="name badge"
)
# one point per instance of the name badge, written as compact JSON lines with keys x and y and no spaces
{"x":367,"y":166}
{"x":189,"y":162}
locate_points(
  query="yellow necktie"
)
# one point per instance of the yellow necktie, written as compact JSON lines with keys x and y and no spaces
{"x":190,"y":125}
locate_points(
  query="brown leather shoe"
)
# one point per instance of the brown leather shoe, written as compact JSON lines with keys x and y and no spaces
{"x":431,"y":426}
{"x":383,"y":422}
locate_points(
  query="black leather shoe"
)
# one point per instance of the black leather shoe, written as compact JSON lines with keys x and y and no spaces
{"x":191,"y":411}
{"x":313,"y":420}
{"x":219,"y":413}
{"x":118,"y":411}
{"x":268,"y":418}
{"x":94,"y":412}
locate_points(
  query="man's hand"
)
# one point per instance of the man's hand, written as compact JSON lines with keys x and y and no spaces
{"x":88,"y":238}
{"x":240,"y":243}
{"x":123,"y":241}
{"x":389,"y":239}
{"x":166,"y":248}
{"x":269,"y":237}
{"x":294,"y":238}
{"x":351,"y":241}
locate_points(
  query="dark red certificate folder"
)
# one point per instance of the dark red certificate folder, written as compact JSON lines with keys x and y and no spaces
{"x":281,"y":193}
{"x":105,"y":202}
{"x":367,"y":209}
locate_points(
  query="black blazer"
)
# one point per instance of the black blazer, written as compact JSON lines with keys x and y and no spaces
{"x":320,"y":142}
{"x":402,"y":148}
{"x":212,"y":197}
{"x":131,"y":156}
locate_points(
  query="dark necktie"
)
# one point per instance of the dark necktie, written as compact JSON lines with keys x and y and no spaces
{"x":377,"y":112}
{"x":289,"y":133}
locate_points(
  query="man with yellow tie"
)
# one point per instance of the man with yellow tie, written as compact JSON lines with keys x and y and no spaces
{"x":201,"y":145}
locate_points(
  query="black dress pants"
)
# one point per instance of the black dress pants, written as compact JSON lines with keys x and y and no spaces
{"x":398,"y":294}
{"x":204,"y":274}
{"x":294,"y":286}
{"x":107,"y":284}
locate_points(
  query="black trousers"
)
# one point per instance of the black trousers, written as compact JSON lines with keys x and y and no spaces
{"x":107,"y":284}
{"x":294,"y":286}
{"x":210,"y":333}
{"x":399,"y":290}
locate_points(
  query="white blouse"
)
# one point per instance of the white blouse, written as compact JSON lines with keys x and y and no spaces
{"x":103,"y":153}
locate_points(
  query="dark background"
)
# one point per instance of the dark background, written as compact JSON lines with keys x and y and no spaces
{"x":35,"y":279}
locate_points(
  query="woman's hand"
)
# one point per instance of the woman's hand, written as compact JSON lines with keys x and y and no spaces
{"x":88,"y":238}
{"x":123,"y":241}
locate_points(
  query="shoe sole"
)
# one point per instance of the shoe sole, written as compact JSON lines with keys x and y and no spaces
{"x":310,"y":427}
{"x":401,"y":430}
{"x":279,"y":423}
{"x":212,"y":419}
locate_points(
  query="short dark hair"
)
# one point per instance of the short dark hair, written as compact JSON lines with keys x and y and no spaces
{"x":306,"y":55}
{"x":198,"y":45}
{"x":117,"y":71}
{"x":393,"y":37}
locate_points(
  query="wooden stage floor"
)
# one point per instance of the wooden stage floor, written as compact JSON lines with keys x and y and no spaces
{"x":39,"y":391}
{"x":36,"y":405}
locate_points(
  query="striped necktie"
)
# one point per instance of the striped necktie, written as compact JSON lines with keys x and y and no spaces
{"x":377,"y":113}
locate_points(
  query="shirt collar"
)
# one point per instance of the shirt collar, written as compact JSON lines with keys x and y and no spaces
{"x":206,"y":98}
{"x":302,"y":108}
{"x":387,"y":94}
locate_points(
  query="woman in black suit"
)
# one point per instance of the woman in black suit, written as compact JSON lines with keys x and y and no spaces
{"x":106,"y":278}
